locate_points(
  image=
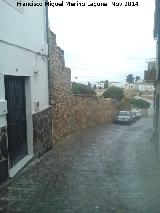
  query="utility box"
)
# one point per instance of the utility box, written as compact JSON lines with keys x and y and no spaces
{"x":3,"y":107}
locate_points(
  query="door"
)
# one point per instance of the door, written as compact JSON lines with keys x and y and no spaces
{"x":16,"y":118}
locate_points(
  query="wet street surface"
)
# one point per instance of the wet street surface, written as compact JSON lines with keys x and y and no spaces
{"x":105,"y":169}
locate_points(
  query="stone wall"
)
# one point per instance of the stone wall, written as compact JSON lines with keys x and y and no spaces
{"x":59,"y":75}
{"x":81,"y":112}
{"x":3,"y":155}
{"x":70,"y":112}
{"x":42,"y":132}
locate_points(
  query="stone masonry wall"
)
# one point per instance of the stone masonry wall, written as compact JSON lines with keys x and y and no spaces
{"x":59,"y":75}
{"x":79,"y":112}
{"x":42,"y":132}
{"x":70,"y":112}
{"x":3,"y":155}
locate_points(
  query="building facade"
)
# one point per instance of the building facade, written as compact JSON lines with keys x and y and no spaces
{"x":150,"y":74}
{"x":25,"y":114}
{"x":156,"y":35}
{"x":100,"y":84}
{"x":115,"y":84}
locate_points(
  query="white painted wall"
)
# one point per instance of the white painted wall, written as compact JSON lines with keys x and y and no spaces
{"x":2,"y":94}
{"x":146,"y":87}
{"x":22,"y":38}
{"x":100,"y":84}
{"x":24,"y":63}
{"x":140,"y":86}
{"x":27,"y":29}
{"x":116,"y":84}
{"x":130,"y":86}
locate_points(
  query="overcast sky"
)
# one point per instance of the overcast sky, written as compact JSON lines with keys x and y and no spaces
{"x":105,"y":43}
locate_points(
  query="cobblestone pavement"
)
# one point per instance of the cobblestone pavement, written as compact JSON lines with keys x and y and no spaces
{"x":105,"y":169}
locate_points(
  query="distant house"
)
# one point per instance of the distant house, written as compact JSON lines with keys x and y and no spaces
{"x":110,"y":84}
{"x":148,"y":87}
{"x":140,"y":86}
{"x":100,"y":84}
{"x":131,"y":89}
{"x":130,"y":86}
{"x":25,"y":125}
{"x":115,"y":84}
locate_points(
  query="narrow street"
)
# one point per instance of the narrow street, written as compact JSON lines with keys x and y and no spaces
{"x":105,"y":169}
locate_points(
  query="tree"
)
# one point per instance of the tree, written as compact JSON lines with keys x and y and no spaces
{"x":137,"y":78}
{"x":89,"y":84}
{"x":78,"y":88}
{"x":130,"y":78}
{"x":124,"y":104}
{"x":95,"y":87}
{"x":100,"y":87}
{"x":139,"y":103}
{"x":106,"y":84}
{"x":114,"y":93}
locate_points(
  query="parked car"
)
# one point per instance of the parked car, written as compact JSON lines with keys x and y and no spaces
{"x":138,"y":113}
{"x":133,"y":113}
{"x":124,"y":117}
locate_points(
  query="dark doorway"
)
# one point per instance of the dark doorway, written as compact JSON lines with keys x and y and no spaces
{"x":16,"y":118}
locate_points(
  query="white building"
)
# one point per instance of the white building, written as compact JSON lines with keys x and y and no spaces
{"x":131,"y":86}
{"x":100,"y":84}
{"x":110,"y":84}
{"x":23,"y":80}
{"x":115,"y":84}
{"x":146,"y":87}
{"x":140,"y":86}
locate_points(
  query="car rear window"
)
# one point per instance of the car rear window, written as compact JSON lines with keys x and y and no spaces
{"x":124,"y":113}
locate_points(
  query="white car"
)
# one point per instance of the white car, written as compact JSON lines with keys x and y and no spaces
{"x":124,"y":117}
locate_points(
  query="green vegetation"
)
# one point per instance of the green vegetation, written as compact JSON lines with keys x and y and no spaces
{"x":106,"y":84}
{"x":139,"y":103}
{"x":95,"y":87}
{"x":130,"y":78}
{"x":89,"y":84}
{"x":137,"y":78}
{"x":114,"y":93}
{"x":78,"y":88}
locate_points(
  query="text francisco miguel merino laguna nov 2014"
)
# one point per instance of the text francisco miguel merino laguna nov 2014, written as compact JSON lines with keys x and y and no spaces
{"x":75,"y":3}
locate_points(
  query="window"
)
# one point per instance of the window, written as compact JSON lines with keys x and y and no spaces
{"x":124,"y":113}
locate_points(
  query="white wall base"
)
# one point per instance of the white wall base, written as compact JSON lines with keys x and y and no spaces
{"x":13,"y":171}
